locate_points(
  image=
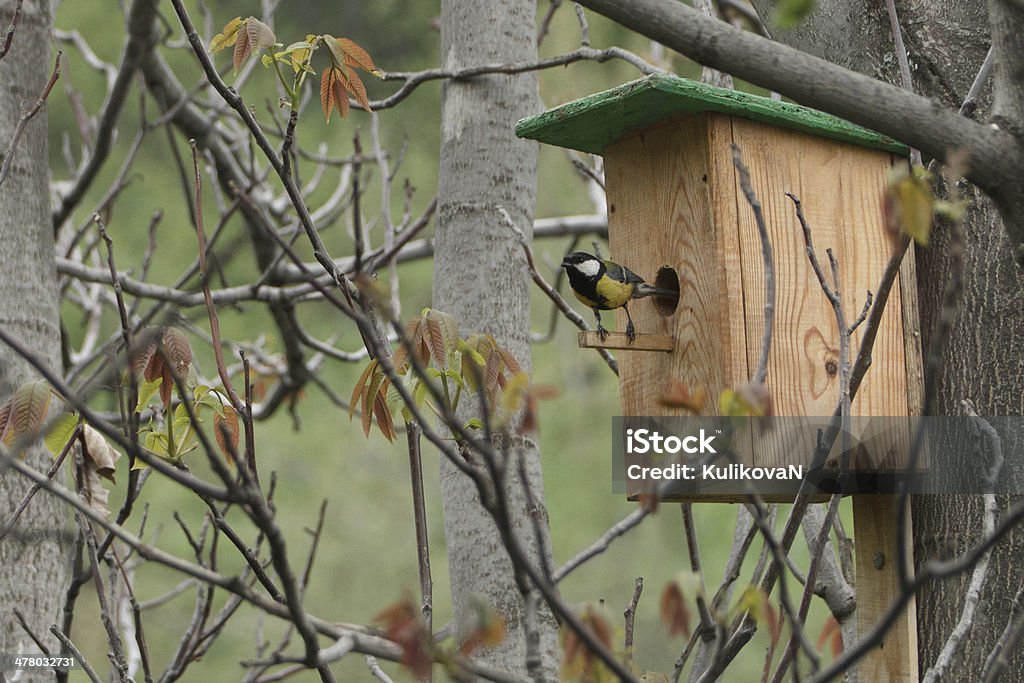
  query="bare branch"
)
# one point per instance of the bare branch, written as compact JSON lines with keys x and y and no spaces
{"x":10,"y":30}
{"x":19,"y":129}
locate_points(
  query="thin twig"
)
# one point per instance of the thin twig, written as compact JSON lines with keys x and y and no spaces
{"x":901,"y":59}
{"x":19,"y":129}
{"x":412,"y":432}
{"x":769,"y":268}
{"x":630,"y":617}
{"x":10,"y":30}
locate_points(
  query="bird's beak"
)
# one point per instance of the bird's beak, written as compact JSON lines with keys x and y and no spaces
{"x":566,"y":262}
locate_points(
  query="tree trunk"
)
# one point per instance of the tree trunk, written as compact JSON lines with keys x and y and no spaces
{"x":33,"y":554}
{"x":984,"y":358}
{"x":480,"y":277}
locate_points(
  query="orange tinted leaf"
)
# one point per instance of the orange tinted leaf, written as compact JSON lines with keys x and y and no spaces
{"x":340,"y":94}
{"x":675,"y":613}
{"x":384,"y":419}
{"x":354,"y":55}
{"x":373,"y":391}
{"x":352,"y":83}
{"x":360,"y":387}
{"x":225,"y":430}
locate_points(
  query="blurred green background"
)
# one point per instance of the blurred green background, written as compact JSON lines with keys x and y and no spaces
{"x":366,"y":558}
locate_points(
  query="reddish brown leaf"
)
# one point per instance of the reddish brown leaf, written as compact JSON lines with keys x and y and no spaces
{"x":384,"y":420}
{"x":177,"y":350}
{"x":402,"y":625}
{"x":360,"y":387}
{"x":242,"y":50}
{"x":352,"y":83}
{"x":144,"y":347}
{"x":327,"y":92}
{"x":226,"y":431}
{"x":373,"y":391}
{"x":675,"y":613}
{"x":29,"y":407}
{"x":509,"y":360}
{"x":341,"y":93}
{"x":154,"y":368}
{"x":354,"y":55}
{"x":166,"y":385}
{"x":435,"y":340}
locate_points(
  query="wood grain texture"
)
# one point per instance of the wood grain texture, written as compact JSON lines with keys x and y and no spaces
{"x":875,"y":548}
{"x":659,"y":214}
{"x":841,"y":188}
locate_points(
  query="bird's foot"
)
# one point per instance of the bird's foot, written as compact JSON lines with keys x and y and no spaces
{"x":601,"y":332}
{"x":630,"y":332}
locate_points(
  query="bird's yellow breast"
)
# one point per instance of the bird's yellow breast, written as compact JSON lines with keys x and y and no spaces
{"x":613,"y":293}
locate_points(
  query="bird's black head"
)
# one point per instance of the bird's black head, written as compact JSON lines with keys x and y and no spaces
{"x":583,"y":263}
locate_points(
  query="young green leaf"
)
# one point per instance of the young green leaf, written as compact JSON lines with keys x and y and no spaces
{"x":227,"y":36}
{"x":60,"y":433}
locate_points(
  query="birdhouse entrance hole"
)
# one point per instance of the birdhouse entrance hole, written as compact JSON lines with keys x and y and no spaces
{"x":667,"y":278}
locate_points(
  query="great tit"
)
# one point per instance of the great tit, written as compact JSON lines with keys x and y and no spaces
{"x":605,"y":285}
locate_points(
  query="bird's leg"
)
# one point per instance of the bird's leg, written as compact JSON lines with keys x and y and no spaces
{"x":601,"y":332}
{"x":630,"y":330}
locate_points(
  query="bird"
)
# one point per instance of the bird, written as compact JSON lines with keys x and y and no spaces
{"x":605,"y":285}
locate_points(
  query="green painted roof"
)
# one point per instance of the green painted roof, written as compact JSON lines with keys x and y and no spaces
{"x":592,"y":123}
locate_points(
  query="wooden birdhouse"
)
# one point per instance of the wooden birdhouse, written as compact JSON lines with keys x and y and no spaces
{"x":677,"y":217}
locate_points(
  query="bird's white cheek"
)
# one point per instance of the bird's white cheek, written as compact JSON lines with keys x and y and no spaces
{"x":589,"y":268}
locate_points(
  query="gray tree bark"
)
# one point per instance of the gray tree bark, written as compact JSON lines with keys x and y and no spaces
{"x":480,"y":277}
{"x":33,"y":556}
{"x":984,"y":359}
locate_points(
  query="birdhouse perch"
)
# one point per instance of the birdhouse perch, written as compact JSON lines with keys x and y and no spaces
{"x":678,"y":217}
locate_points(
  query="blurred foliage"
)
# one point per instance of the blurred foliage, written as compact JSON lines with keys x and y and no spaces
{"x":367,"y":557}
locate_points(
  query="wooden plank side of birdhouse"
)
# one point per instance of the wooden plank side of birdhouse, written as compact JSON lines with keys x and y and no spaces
{"x":659,"y":215}
{"x":841,"y":189}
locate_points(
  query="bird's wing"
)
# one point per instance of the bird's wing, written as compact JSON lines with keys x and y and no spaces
{"x":621,"y":273}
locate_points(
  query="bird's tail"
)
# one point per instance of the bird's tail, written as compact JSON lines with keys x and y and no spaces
{"x":643,"y":289}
